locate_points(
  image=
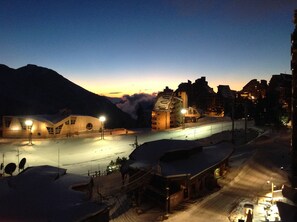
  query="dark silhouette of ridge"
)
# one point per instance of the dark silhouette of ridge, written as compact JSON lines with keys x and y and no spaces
{"x":31,"y":90}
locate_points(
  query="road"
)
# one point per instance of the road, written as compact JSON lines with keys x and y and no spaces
{"x":251,"y":166}
{"x":89,"y":153}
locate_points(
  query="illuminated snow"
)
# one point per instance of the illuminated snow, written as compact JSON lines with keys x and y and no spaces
{"x":80,"y":154}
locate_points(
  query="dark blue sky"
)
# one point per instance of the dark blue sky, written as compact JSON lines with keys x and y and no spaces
{"x":124,"y":46}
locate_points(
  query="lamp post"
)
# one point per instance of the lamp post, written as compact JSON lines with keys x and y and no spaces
{"x":272,"y":189}
{"x":183,"y":112}
{"x":102,"y":120}
{"x":29,"y":124}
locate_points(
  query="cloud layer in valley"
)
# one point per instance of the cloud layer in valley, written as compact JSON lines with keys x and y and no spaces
{"x":130,"y":104}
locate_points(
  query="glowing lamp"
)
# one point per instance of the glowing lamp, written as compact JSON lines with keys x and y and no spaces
{"x":102,"y":118}
{"x":183,"y":111}
{"x":28,"y":122}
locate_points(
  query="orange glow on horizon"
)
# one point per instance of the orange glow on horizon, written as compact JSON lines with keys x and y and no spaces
{"x":115,"y":87}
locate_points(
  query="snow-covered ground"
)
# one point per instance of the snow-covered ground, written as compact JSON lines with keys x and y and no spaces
{"x":85,"y":153}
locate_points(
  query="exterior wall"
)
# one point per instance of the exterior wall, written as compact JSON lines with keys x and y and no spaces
{"x":170,"y":118}
{"x":166,"y":113}
{"x":73,"y":125}
{"x":175,"y":114}
{"x":17,"y":128}
{"x":176,"y":199}
{"x":180,"y":188}
{"x":44,"y":129}
{"x":184,"y":97}
{"x":160,"y":120}
{"x":197,"y":186}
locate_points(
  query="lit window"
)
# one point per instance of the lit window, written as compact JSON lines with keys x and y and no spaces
{"x":50,"y":130}
{"x":73,"y":120}
{"x":58,"y":129}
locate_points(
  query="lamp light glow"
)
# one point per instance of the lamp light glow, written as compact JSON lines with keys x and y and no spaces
{"x":183,"y":112}
{"x":102,"y":118}
{"x":28,"y":122}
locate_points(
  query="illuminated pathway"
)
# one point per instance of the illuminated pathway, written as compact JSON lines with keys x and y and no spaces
{"x":246,"y":182}
{"x":82,"y":154}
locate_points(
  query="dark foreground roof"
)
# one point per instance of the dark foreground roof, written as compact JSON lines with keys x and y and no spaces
{"x":287,"y":212}
{"x":45,"y":193}
{"x":290,"y":193}
{"x":179,"y":157}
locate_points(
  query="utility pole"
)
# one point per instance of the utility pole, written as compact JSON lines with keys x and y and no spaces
{"x":233,"y":117}
{"x":294,"y":100}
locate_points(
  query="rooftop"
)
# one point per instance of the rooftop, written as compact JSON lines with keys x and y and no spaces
{"x":177,"y":157}
{"x":45,"y":193}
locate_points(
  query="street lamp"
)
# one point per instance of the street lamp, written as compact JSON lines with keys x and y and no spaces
{"x":272,"y":189}
{"x":29,"y":124}
{"x":183,"y":112}
{"x":102,"y":120}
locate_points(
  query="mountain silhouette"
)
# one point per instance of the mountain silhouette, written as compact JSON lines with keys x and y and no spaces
{"x":32,"y":90}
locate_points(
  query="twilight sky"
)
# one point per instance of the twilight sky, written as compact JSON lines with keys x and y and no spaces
{"x":115,"y":47}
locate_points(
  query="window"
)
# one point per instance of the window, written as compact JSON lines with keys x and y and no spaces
{"x":7,"y":121}
{"x":89,"y":126}
{"x":23,"y":125}
{"x":73,"y":120}
{"x":67,"y":122}
{"x":58,"y":129}
{"x":50,"y":130}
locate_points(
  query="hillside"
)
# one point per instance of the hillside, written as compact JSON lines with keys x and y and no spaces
{"x":33,"y":90}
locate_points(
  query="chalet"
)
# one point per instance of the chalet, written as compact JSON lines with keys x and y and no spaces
{"x":179,"y":169}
